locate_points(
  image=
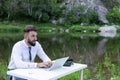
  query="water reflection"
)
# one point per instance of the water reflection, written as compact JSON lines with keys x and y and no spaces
{"x":95,"y":55}
{"x":85,"y":49}
{"x":107,"y":34}
{"x":101,"y":46}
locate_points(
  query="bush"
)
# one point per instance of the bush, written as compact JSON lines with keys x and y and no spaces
{"x":79,"y":15}
{"x":56,"y":11}
{"x":73,"y":16}
{"x":90,"y":17}
{"x":78,"y":28}
{"x":113,"y":15}
{"x":39,"y":10}
{"x":3,"y":70}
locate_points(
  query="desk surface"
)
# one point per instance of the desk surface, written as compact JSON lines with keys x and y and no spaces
{"x":41,"y":74}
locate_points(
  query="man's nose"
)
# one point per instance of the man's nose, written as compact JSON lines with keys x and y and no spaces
{"x":36,"y":38}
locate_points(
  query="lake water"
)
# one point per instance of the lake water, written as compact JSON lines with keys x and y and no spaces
{"x":81,"y":47}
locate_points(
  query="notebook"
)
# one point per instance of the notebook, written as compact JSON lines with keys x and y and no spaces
{"x":58,"y":63}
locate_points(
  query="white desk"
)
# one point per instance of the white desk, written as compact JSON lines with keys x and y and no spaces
{"x":41,"y":74}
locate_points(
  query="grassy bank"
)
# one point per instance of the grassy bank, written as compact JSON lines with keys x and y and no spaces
{"x":84,"y":29}
{"x":18,"y":26}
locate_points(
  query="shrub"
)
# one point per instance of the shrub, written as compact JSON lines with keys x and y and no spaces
{"x":90,"y":17}
{"x":80,"y":15}
{"x":2,"y":8}
{"x":39,"y":10}
{"x":113,"y":15}
{"x":73,"y":16}
{"x":3,"y":70}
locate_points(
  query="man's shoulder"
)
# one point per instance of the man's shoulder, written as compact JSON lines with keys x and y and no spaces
{"x":37,"y":43}
{"x":19,"y":43}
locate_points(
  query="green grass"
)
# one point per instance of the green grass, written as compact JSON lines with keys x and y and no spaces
{"x":9,"y":28}
{"x":88,"y":29}
{"x":3,"y":71}
{"x":104,"y":70}
{"x":18,"y":26}
{"x":78,"y":28}
{"x":73,"y":76}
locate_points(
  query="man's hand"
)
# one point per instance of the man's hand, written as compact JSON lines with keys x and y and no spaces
{"x":45,"y":64}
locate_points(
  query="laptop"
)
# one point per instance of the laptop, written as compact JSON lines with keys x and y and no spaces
{"x":58,"y":63}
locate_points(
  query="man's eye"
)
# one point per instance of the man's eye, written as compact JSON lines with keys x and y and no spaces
{"x":33,"y":35}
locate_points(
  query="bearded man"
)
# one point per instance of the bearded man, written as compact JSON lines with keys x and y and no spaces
{"x":25,"y":51}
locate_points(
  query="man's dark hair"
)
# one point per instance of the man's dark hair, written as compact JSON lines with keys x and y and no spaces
{"x":29,"y":28}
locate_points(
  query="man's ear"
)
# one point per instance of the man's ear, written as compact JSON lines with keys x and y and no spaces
{"x":25,"y":35}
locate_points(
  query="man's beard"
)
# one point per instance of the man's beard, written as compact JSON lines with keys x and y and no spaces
{"x":31,"y":43}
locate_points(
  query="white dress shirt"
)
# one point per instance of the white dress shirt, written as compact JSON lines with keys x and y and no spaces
{"x":20,"y":55}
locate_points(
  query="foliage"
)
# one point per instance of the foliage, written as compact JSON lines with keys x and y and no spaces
{"x":114,"y":15}
{"x":11,"y":8}
{"x":111,"y":3}
{"x":73,"y":16}
{"x":73,"y":76}
{"x":2,"y":9}
{"x":82,"y":15}
{"x":86,"y":74}
{"x":99,"y":75}
{"x":45,"y":11}
{"x":56,"y":10}
{"x":40,"y":10}
{"x":3,"y":70}
{"x":17,"y":26}
{"x":106,"y":70}
{"x":90,"y":17}
{"x":78,"y":28}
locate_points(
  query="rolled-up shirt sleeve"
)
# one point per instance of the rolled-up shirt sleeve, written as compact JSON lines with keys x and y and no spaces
{"x":43,"y":56}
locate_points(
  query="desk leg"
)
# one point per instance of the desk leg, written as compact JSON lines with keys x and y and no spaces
{"x":81,"y":74}
{"x":13,"y":78}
